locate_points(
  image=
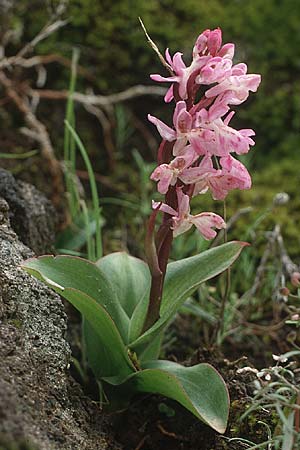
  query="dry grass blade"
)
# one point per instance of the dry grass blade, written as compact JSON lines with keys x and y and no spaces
{"x":156,"y":49}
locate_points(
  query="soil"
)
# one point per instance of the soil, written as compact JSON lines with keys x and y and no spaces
{"x":155,"y":423}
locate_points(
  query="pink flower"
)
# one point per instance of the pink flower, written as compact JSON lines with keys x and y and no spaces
{"x":211,"y":63}
{"x":181,"y":73}
{"x":214,"y":71}
{"x":183,"y":123}
{"x":167,"y":174}
{"x":182,"y":220}
{"x":220,"y":139}
{"x":209,"y":42}
{"x":206,"y":131}
{"x":233,"y":175}
{"x":164,"y":130}
{"x":236,"y":87}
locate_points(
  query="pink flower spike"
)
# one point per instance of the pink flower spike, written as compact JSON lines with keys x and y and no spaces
{"x":205,"y":222}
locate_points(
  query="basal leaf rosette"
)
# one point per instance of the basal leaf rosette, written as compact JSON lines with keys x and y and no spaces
{"x":111,"y":295}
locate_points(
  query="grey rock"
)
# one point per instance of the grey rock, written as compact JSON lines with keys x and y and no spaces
{"x":41,"y":406}
{"x":31,"y":215}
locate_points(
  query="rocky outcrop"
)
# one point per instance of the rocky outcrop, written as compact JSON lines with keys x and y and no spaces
{"x":31,"y":215}
{"x":41,"y":406}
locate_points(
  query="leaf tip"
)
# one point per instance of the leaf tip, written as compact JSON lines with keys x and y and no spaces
{"x":245,"y":244}
{"x":242,"y":244}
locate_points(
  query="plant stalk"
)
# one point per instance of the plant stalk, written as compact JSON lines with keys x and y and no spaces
{"x":158,"y":255}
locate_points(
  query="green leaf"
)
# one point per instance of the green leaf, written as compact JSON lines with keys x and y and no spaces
{"x":138,"y":318}
{"x":184,"y":277}
{"x":63,"y":272}
{"x":200,"y":389}
{"x":152,"y":349}
{"x":130,"y":277}
{"x":107,"y":355}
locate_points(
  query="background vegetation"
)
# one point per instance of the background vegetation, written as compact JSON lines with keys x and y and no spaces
{"x":115,"y":56}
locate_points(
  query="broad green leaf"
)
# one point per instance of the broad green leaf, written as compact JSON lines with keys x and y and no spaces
{"x":151,"y":350}
{"x":183,"y":278}
{"x":200,"y":389}
{"x":129,"y":276}
{"x":72,"y":272}
{"x":108,"y":354}
{"x":99,"y":352}
{"x":138,"y":318}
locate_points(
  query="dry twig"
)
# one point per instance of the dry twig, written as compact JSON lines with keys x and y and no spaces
{"x":100,"y":100}
{"x":38,"y":132}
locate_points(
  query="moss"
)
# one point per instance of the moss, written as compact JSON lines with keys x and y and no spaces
{"x":15,"y":322}
{"x":251,"y":427}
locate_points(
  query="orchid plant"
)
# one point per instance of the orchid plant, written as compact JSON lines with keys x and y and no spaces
{"x":127,"y":304}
